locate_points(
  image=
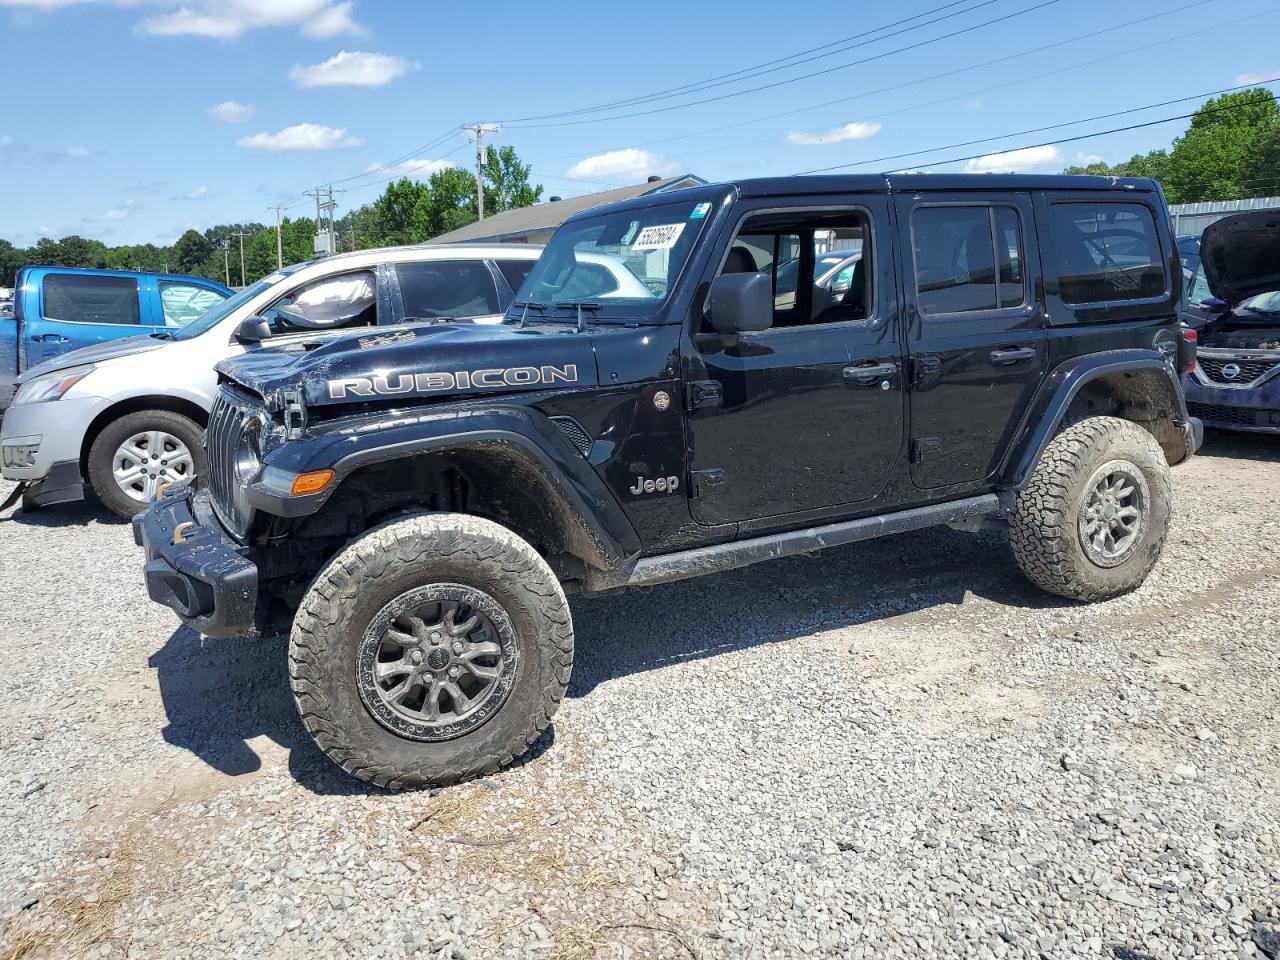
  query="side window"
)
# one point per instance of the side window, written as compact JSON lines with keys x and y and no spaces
{"x":515,"y":271}
{"x":968,"y":258}
{"x":88,"y":299}
{"x":446,"y":288}
{"x":797,"y":250}
{"x":183,"y":302}
{"x":1106,"y":251}
{"x":1198,"y":289}
{"x":348,"y":300}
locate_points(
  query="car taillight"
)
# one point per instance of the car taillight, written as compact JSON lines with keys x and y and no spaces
{"x":1190,"y":340}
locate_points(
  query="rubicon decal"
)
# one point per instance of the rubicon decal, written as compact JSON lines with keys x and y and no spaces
{"x":439,"y":380}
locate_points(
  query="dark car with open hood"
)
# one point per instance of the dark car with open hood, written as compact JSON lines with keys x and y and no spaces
{"x":414,"y":505}
{"x":1234,"y":306}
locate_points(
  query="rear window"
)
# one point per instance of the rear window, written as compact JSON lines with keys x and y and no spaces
{"x":1107,"y":252}
{"x":447,"y":288}
{"x":968,"y":258}
{"x":87,"y":299}
{"x":514,"y":271}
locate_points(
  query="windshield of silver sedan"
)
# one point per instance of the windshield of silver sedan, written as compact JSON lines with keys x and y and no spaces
{"x":623,"y":265}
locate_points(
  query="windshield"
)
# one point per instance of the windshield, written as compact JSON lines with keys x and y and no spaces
{"x":211,"y":319}
{"x":625,"y":263}
{"x":1266,"y":304}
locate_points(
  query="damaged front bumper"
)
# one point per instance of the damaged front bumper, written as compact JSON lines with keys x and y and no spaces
{"x":193,"y":567}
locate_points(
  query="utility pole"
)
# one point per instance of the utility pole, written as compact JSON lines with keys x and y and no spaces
{"x":279,"y":242}
{"x":226,"y":265}
{"x":241,"y":234}
{"x":326,"y":241}
{"x":478,"y":130}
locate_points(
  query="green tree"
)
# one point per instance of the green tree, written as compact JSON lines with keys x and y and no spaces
{"x":399,"y":215}
{"x":450,"y":203}
{"x":1261,"y":176}
{"x":12,"y":259}
{"x":191,"y":250}
{"x":506,"y":182}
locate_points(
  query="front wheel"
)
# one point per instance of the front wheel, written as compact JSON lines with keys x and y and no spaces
{"x":1091,"y":522}
{"x":132,"y":456}
{"x":431,"y":650}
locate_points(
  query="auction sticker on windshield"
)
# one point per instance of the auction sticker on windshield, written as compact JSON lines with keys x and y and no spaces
{"x":660,"y":237}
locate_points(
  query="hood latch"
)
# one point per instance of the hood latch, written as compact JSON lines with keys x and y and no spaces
{"x":295,"y":415}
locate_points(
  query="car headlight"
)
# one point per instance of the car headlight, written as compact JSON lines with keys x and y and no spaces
{"x":51,"y":386}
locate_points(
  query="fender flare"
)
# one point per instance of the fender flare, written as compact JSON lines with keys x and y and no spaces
{"x":602,"y":535}
{"x":1063,"y":385}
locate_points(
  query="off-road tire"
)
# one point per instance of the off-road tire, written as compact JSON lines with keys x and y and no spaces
{"x":108,"y":440}
{"x":1044,"y":526}
{"x":371,"y":572}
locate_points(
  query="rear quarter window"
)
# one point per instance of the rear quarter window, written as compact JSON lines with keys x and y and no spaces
{"x":514,"y":272}
{"x":87,"y":299}
{"x":1106,"y":252}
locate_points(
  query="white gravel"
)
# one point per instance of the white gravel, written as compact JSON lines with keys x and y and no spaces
{"x":899,"y":749}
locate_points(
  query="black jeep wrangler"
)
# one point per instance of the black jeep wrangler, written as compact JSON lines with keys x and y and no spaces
{"x":688,"y":382}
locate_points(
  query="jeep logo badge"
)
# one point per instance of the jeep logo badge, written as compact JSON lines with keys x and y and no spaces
{"x":661,"y":485}
{"x":1231,"y":371}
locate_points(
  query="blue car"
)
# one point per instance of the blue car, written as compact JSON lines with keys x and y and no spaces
{"x":1233,"y":302}
{"x":59,"y":309}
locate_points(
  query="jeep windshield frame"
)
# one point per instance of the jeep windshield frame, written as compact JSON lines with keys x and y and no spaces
{"x":622,"y":264}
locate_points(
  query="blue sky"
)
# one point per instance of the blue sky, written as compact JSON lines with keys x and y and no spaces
{"x":132,"y":120}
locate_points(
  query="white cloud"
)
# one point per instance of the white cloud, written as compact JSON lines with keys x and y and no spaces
{"x":14,"y":152}
{"x":972,"y":105}
{"x":413,"y":169}
{"x":1016,"y":161}
{"x":849,"y":131}
{"x":1087,"y":159}
{"x":228,"y":111}
{"x":77,"y":152}
{"x":122,"y":212}
{"x":630,"y":164}
{"x":302,"y":136}
{"x":225,"y":19}
{"x":198,"y":193}
{"x":1255,"y":79}
{"x":353,"y":68}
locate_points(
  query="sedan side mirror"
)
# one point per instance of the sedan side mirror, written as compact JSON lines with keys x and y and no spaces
{"x":253,"y":330}
{"x":741,"y":303}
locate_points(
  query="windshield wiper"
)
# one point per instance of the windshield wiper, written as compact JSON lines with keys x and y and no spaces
{"x":526,"y":304}
{"x":579,"y":305}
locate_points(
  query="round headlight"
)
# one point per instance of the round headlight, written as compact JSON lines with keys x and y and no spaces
{"x":248,"y":452}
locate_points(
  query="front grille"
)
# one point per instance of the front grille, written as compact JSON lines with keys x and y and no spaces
{"x":1249,"y":370}
{"x":1217,"y":413}
{"x":231,"y":409}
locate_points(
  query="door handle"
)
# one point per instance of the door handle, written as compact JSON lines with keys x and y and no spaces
{"x":50,"y":338}
{"x":869,"y":374}
{"x":1013,"y":355}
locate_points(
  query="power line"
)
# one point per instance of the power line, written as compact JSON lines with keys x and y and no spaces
{"x":805,"y":76}
{"x":769,"y":66}
{"x":1054,"y":126}
{"x":1075,"y":139}
{"x":1128,"y":51}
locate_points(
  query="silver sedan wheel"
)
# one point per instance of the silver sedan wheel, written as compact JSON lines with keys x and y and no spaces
{"x":146,"y":460}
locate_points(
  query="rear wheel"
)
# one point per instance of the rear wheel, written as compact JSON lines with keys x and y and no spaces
{"x":132,"y":456}
{"x":1091,"y":523}
{"x":431,"y":650}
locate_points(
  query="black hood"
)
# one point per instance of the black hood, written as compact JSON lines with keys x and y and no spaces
{"x":1241,"y":255}
{"x":403,"y":363}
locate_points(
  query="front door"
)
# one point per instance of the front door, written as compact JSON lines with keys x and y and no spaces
{"x":80,"y":309}
{"x":975,"y":329}
{"x":807,"y":416}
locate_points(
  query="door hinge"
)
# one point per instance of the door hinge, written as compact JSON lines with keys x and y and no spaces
{"x":922,"y":447}
{"x":705,"y":393}
{"x":926,"y":369}
{"x":701,"y":481}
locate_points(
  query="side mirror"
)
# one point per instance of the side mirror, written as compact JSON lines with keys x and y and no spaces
{"x":1213,"y":303}
{"x":253,"y":330}
{"x":741,"y":303}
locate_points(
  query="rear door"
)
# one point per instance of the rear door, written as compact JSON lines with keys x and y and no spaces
{"x":75,"y":310}
{"x":975,"y":328}
{"x":446,"y":290}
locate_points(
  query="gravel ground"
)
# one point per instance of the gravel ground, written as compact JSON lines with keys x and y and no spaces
{"x":899,"y":749}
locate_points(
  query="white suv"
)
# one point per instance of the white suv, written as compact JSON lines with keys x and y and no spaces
{"x":127,"y":415}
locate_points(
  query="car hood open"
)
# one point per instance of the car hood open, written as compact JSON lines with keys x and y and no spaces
{"x":1241,"y":255}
